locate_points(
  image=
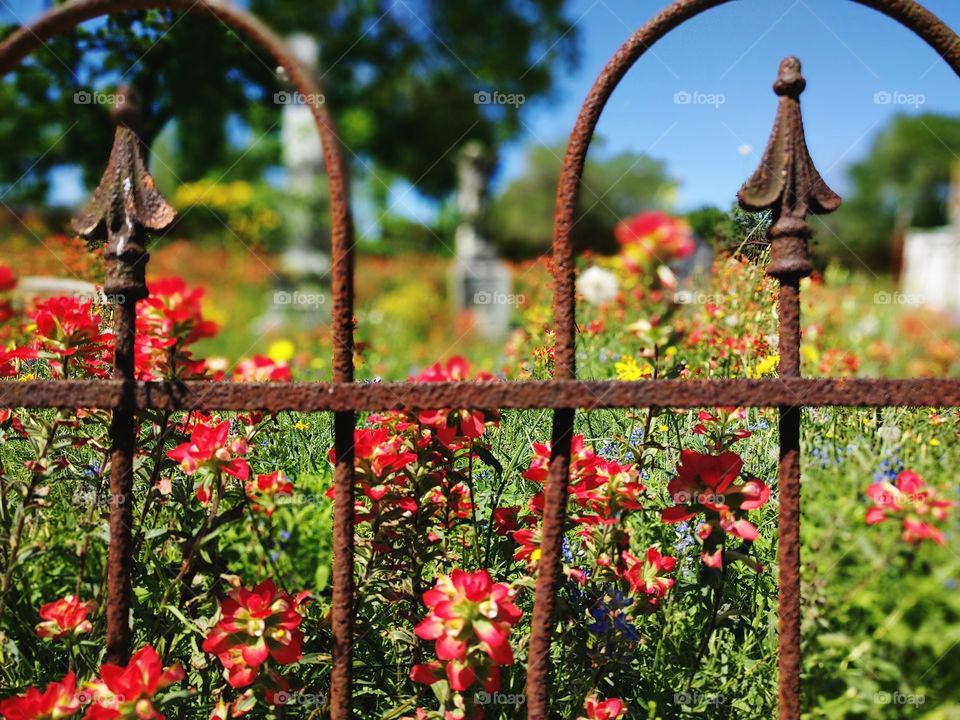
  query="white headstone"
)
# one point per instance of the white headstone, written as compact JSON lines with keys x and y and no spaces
{"x":481,"y":280}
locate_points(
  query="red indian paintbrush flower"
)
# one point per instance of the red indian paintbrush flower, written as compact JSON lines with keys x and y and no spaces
{"x":264,"y":491}
{"x":603,"y":709}
{"x":10,"y":360}
{"x":647,"y":575}
{"x":69,"y":335}
{"x":910,"y":500}
{"x":705,"y":484}
{"x":64,"y":616}
{"x":169,"y":321}
{"x":128,"y":692}
{"x":59,"y":700}
{"x":454,"y":428}
{"x":256,"y":625}
{"x":470,"y":620}
{"x":210,"y":448}
{"x":262,"y":369}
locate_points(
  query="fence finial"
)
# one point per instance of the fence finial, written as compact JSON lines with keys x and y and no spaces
{"x":125,"y":205}
{"x":787,"y":183}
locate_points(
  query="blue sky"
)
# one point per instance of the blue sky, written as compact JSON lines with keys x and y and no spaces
{"x":726,"y":59}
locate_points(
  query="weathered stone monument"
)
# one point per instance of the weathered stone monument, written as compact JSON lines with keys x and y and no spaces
{"x":306,"y":252}
{"x":481,"y":281}
{"x":300,"y":291}
{"x":931,"y":262}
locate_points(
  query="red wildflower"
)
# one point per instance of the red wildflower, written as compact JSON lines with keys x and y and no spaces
{"x":651,"y":236}
{"x":910,"y":500}
{"x":8,"y":279}
{"x":647,"y":575}
{"x":209,"y":448}
{"x":505,"y":519}
{"x":9,"y":360}
{"x":705,"y":484}
{"x":59,"y":700}
{"x":169,"y":321}
{"x":69,"y":335}
{"x":266,"y":488}
{"x":262,"y":369}
{"x":603,"y":709}
{"x":470,"y":619}
{"x":256,"y":625}
{"x":128,"y":692}
{"x":64,"y":616}
{"x":454,"y":428}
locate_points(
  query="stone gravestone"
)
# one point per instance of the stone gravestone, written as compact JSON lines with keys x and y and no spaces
{"x":300,"y":291}
{"x":931,"y":262}
{"x":481,"y":280}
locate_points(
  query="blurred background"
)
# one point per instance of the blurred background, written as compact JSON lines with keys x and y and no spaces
{"x":454,"y":118}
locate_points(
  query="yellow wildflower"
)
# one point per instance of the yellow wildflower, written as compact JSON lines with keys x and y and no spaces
{"x":628,"y":369}
{"x":281,"y":350}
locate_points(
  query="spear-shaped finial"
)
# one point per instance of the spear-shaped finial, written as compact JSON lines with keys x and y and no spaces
{"x":787,"y":183}
{"x":125,"y":205}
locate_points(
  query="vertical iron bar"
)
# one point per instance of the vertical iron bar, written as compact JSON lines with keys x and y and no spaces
{"x":789,"y":603}
{"x":123,"y":443}
{"x":549,"y":572}
{"x":341,"y":698}
{"x":124,"y":207}
{"x":556,"y":491}
{"x":788,"y":185}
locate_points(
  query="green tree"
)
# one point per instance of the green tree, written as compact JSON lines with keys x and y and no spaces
{"x":614,"y":188}
{"x":903,"y":182}
{"x":400,"y":81}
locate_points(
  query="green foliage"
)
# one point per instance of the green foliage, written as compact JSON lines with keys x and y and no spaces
{"x":901,"y":183}
{"x":400,"y":83}
{"x":613,"y":188}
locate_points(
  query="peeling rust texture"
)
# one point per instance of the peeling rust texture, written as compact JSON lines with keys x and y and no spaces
{"x":551,"y":566}
{"x":788,"y":184}
{"x":587,"y":395}
{"x":123,"y":438}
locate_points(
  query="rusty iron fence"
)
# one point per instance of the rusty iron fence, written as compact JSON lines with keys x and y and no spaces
{"x":126,"y":207}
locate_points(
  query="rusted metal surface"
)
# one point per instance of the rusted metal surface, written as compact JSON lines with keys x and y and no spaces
{"x":125,"y":206}
{"x":587,"y":395}
{"x":551,"y":566}
{"x":786,"y":183}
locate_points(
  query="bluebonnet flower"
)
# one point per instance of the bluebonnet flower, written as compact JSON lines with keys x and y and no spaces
{"x":636,"y":436}
{"x":285,"y":535}
{"x":609,"y":451}
{"x":684,"y":536}
{"x":608,"y":615}
{"x":92,"y":471}
{"x":888,"y":470}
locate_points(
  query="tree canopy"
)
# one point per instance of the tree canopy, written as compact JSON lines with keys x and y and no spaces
{"x":400,"y":81}
{"x":614,"y":187}
{"x":902,"y":182}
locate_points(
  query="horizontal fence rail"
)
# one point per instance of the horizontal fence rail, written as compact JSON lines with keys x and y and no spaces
{"x":532,"y":395}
